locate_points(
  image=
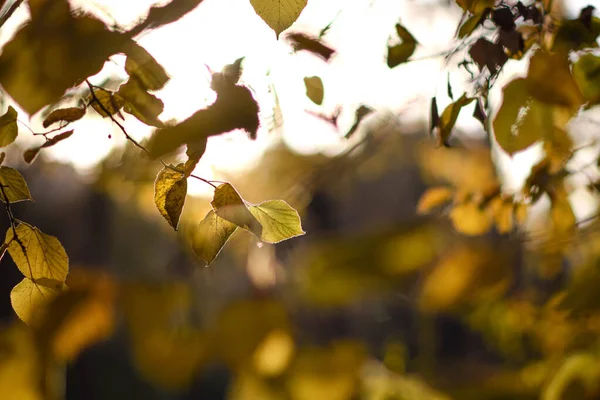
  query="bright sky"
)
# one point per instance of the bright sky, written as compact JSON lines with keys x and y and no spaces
{"x":220,"y":31}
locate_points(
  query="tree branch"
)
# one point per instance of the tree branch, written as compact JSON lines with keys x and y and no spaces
{"x":13,"y":7}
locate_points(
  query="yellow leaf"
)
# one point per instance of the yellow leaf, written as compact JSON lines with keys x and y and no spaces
{"x":30,"y":154}
{"x":278,"y":219}
{"x":210,"y":236}
{"x":521,"y":210}
{"x":586,"y":72}
{"x":469,"y":219}
{"x":449,"y":116}
{"x":141,"y":66}
{"x":170,"y":190}
{"x":433,"y":198}
{"x":314,"y":89}
{"x":563,"y":219}
{"x":229,"y":205}
{"x":278,"y":14}
{"x":470,"y":25}
{"x":8,"y":127}
{"x":109,"y":101}
{"x":475,"y":6}
{"x":28,"y":297}
{"x":44,"y":256}
{"x":503,"y":214}
{"x":400,"y":53}
{"x":273,"y":354}
{"x":21,"y":368}
{"x":14,"y":185}
{"x":64,"y":114}
{"x":141,"y":104}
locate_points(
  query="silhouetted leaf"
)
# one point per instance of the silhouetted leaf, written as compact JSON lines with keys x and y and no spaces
{"x":449,"y":88}
{"x":44,"y":256}
{"x":14,"y":185}
{"x":360,"y":113}
{"x":586,"y":72}
{"x":278,"y":219}
{"x":400,"y":53}
{"x":503,"y":18}
{"x":278,"y":14}
{"x":433,"y":198}
{"x":170,"y":190}
{"x":29,"y":297}
{"x":111,"y":102}
{"x":210,"y":236}
{"x":449,"y":117}
{"x":163,"y":15}
{"x":8,"y":127}
{"x":141,"y":104}
{"x":434,"y":117}
{"x":229,"y":205}
{"x":488,"y":54}
{"x":470,"y":220}
{"x":314,"y":89}
{"x":64,"y":114}
{"x":30,"y":154}
{"x":300,"y":41}
{"x":141,"y":66}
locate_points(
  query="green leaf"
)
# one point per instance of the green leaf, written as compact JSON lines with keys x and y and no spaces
{"x":8,"y":127}
{"x":586,"y":72}
{"x":141,"y":104}
{"x":29,"y":296}
{"x":314,"y":89}
{"x":210,"y":236}
{"x":170,"y":190}
{"x":229,"y":205}
{"x":44,"y":256}
{"x":141,"y":66}
{"x":14,"y":185}
{"x":521,"y":120}
{"x":30,"y":154}
{"x":64,"y":114}
{"x":400,"y":53}
{"x":471,"y":24}
{"x":278,"y":14}
{"x":278,"y":219}
{"x":449,"y":116}
{"x":574,"y":35}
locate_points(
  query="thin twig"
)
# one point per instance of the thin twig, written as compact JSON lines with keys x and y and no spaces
{"x":10,"y":11}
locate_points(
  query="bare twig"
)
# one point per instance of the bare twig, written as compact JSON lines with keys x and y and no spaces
{"x":13,"y":7}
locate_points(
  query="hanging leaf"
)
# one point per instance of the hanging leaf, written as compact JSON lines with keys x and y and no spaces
{"x":30,"y":154}
{"x":14,"y":185}
{"x":434,"y":198}
{"x":44,"y":256}
{"x":141,"y":66}
{"x":400,"y":53}
{"x":278,"y":14}
{"x":110,"y":101}
{"x":487,"y":54}
{"x":64,"y":114}
{"x":229,"y":205}
{"x":314,"y":89}
{"x":28,"y":297}
{"x":170,"y":190}
{"x":586,"y":72}
{"x":472,"y":23}
{"x":449,"y":117}
{"x":300,"y":41}
{"x":434,"y":118}
{"x":210,"y":236}
{"x":470,"y":220}
{"x":8,"y":127}
{"x":360,"y":114}
{"x":141,"y":104}
{"x":278,"y":219}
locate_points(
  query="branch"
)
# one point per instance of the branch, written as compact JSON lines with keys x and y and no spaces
{"x":13,"y":7}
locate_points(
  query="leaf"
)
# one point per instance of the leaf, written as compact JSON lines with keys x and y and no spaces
{"x":141,"y":104}
{"x":449,"y":117}
{"x":64,"y":114}
{"x":278,"y":14}
{"x":550,"y":81}
{"x":110,"y":101}
{"x":141,"y":66}
{"x":21,"y":369}
{"x":229,"y":205}
{"x":434,"y":118}
{"x":314,"y":89}
{"x":472,"y":23}
{"x":400,"y":53}
{"x":433,"y":198}
{"x":521,"y":120}
{"x":8,"y":127}
{"x":170,"y":190}
{"x":503,"y":18}
{"x":30,"y":154}
{"x":27,"y":297}
{"x":479,"y":114}
{"x":561,"y":212}
{"x":470,"y":220}
{"x":360,"y":114}
{"x":300,"y":41}
{"x":586,"y":72}
{"x":14,"y":185}
{"x":475,"y":6}
{"x":575,"y":35}
{"x":44,"y":256}
{"x":278,"y":219}
{"x":210,"y":236}
{"x":488,"y":54}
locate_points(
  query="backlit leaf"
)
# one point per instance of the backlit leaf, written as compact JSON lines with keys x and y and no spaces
{"x":278,"y":14}
{"x":141,"y":104}
{"x":449,"y":117}
{"x":104,"y":101}
{"x":210,"y":236}
{"x":471,"y":24}
{"x":141,"y":66}
{"x":44,"y":256}
{"x":278,"y":219}
{"x":586,"y":72}
{"x":14,"y":185}
{"x":300,"y":41}
{"x":314,"y":89}
{"x":229,"y":205}
{"x":561,"y":212}
{"x":400,"y":53}
{"x":64,"y":114}
{"x":27,"y":297}
{"x":470,"y":220}
{"x":475,"y":6}
{"x":433,"y":198}
{"x":8,"y":127}
{"x":170,"y":190}
{"x":30,"y":154}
